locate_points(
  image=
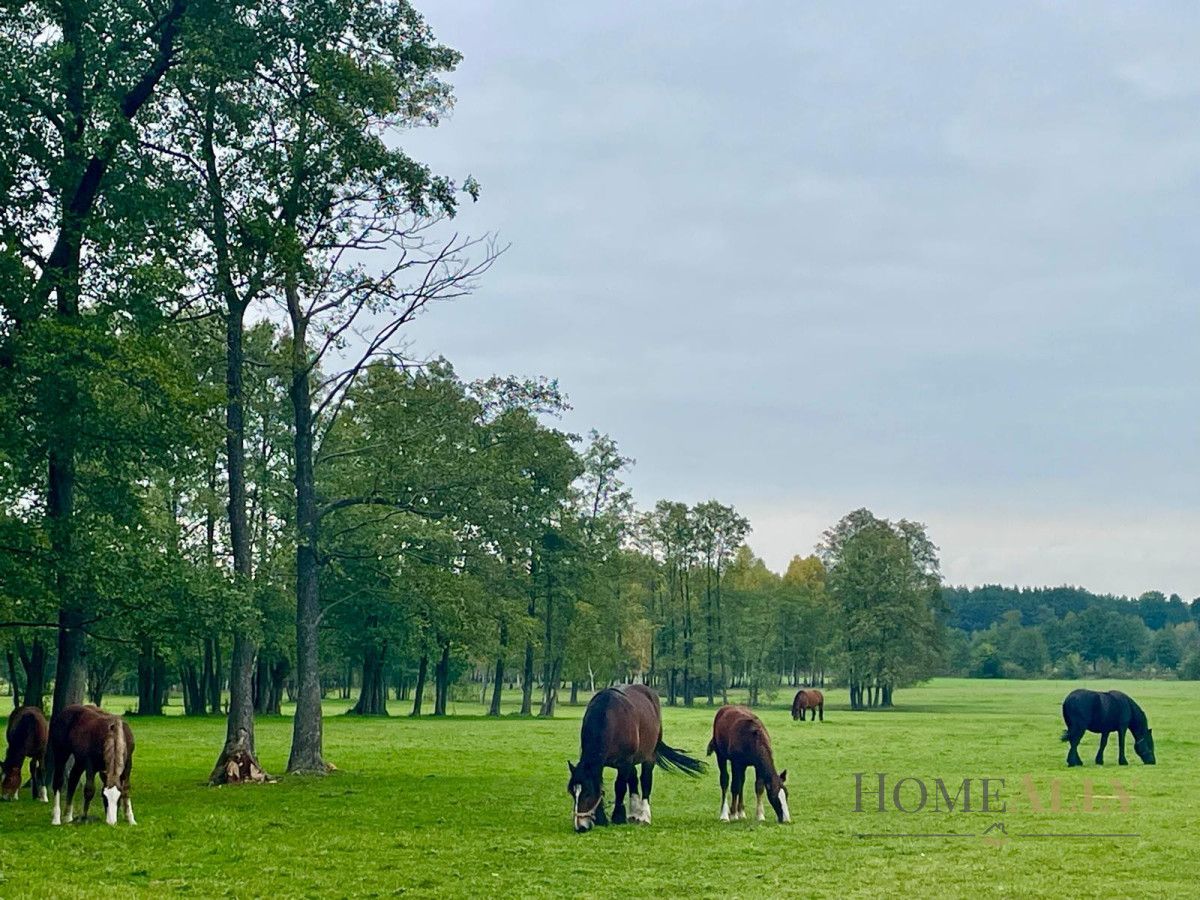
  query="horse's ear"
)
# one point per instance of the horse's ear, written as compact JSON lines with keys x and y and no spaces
{"x":570,"y":767}
{"x":783,"y":777}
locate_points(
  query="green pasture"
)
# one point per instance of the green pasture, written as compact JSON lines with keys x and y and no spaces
{"x":471,"y":806}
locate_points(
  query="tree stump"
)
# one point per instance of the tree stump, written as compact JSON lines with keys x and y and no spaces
{"x":238,"y":765}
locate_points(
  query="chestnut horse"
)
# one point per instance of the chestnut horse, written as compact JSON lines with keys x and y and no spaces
{"x":622,"y":728}
{"x":808,"y":698}
{"x":740,"y":739}
{"x":27,"y":737}
{"x":87,"y":740}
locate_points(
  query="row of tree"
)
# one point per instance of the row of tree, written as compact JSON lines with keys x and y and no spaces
{"x":1069,"y":633}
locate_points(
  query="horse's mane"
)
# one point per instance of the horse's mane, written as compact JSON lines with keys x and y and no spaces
{"x":114,"y":748}
{"x":1137,"y":717}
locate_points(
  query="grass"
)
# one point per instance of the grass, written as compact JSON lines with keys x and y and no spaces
{"x":470,"y":806}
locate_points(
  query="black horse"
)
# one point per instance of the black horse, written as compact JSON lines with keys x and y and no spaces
{"x":1103,"y":713}
{"x":622,"y":728}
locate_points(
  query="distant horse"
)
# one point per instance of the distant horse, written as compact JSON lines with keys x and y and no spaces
{"x":27,"y":736}
{"x":740,"y":738}
{"x":1102,"y":713}
{"x":85,"y":739}
{"x":808,"y":698}
{"x":622,"y":727}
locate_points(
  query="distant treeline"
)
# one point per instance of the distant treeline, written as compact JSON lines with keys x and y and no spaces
{"x":1069,"y":632}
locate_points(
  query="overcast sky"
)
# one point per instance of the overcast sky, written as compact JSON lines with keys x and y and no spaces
{"x":936,"y":259}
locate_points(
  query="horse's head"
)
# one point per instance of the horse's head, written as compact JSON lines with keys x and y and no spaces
{"x":587,"y":795}
{"x":1144,"y":747}
{"x":11,"y":785}
{"x":777,"y":796}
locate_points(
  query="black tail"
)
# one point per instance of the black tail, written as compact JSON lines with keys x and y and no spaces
{"x":712,"y":747}
{"x":677,"y":761}
{"x":1066,"y":735}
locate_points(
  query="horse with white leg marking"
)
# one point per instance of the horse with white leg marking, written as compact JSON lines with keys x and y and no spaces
{"x":85,"y":740}
{"x":27,"y":735}
{"x":740,"y":740}
{"x":622,"y":728}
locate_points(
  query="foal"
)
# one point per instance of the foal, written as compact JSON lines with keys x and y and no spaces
{"x":740,"y":738}
{"x":89,"y":740}
{"x":27,"y":737}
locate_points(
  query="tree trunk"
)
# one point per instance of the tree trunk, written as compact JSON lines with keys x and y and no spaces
{"x":306,"y":754}
{"x":442,"y":682}
{"x":419,"y":690}
{"x":151,"y":672}
{"x":498,"y":678}
{"x":33,"y":662}
{"x":238,"y":761}
{"x":574,"y":692}
{"x":372,"y":699}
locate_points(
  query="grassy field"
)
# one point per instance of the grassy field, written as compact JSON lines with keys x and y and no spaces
{"x":467,"y":806}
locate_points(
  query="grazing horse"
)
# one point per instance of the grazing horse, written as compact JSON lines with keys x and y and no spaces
{"x":27,"y":737}
{"x":622,"y":727}
{"x":808,"y":698}
{"x":85,"y":739}
{"x":1102,"y":713}
{"x":740,"y":738}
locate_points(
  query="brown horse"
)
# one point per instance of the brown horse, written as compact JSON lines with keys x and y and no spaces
{"x":740,"y":739}
{"x":27,"y":737}
{"x":622,"y":728}
{"x":808,"y":698}
{"x":85,"y":739}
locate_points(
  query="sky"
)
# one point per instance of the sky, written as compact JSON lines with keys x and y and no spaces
{"x":937,"y":259}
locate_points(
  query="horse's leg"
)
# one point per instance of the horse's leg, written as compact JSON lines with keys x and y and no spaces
{"x":647,"y":784}
{"x":72,"y":784}
{"x":620,"y":785}
{"x":39,"y":779}
{"x":739,"y":781}
{"x":1103,"y":744}
{"x":601,"y":815}
{"x":128,"y":804}
{"x":635,"y":801}
{"x":1121,"y":760}
{"x":89,"y":793}
{"x":802,"y":709}
{"x":822,"y":709}
{"x":56,"y":782}
{"x":1073,"y":754}
{"x":723,"y":765}
{"x":759,"y":787}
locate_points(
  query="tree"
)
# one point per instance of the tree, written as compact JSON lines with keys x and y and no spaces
{"x":884,"y":578}
{"x":75,"y":96}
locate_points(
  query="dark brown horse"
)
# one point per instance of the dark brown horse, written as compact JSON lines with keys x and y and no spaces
{"x":622,"y":728}
{"x":740,"y":740}
{"x":87,"y":740}
{"x":27,"y":736}
{"x":808,"y":698}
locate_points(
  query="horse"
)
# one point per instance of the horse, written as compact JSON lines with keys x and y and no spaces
{"x":740,"y":738}
{"x":85,"y":739}
{"x":27,"y":736}
{"x":622,"y":728}
{"x":1103,"y":713}
{"x":808,"y":698}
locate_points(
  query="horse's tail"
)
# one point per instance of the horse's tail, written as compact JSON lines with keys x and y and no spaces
{"x":677,"y":761}
{"x":114,"y":747}
{"x":1066,"y":735}
{"x":712,"y":747}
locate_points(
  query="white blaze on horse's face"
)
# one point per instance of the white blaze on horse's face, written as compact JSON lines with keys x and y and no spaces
{"x":112,"y":796}
{"x":783,"y":807}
